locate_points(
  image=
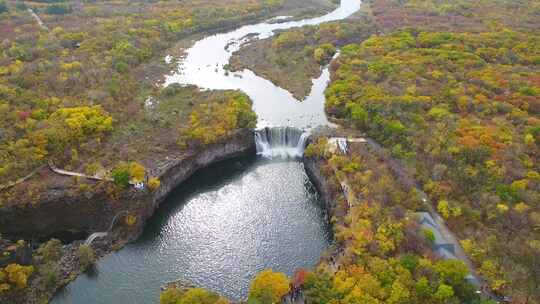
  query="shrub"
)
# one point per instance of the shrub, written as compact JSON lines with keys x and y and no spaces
{"x":51,"y":251}
{"x":131,"y":220}
{"x":86,"y":256}
{"x":191,"y":296}
{"x":429,"y":235}
{"x":153,"y":183}
{"x":16,"y":275}
{"x":269,"y":285}
{"x":49,"y":272}
{"x":21,"y":6}
{"x":209,"y":123}
{"x":317,"y":149}
{"x":120,"y":176}
{"x":136,"y":172}
{"x":324,"y":53}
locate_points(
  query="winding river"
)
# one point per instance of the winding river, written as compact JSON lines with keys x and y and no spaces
{"x":233,"y":219}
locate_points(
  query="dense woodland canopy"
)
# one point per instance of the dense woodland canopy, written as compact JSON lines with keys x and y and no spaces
{"x":449,"y":87}
{"x":81,"y":92}
{"x":452,"y":89}
{"x":89,"y":66}
{"x":462,"y":110}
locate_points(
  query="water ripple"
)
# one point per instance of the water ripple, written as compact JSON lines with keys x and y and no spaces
{"x":217,"y":231}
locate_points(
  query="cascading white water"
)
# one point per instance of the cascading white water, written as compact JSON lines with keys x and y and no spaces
{"x":94,"y":236}
{"x":281,"y":142}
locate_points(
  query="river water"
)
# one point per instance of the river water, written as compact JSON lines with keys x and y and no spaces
{"x":233,"y":219}
{"x":206,"y":59}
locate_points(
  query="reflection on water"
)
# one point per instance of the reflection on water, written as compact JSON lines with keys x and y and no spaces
{"x":218,"y":230}
{"x":232,"y":220}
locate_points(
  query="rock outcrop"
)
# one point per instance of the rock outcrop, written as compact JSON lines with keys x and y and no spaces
{"x":61,"y":211}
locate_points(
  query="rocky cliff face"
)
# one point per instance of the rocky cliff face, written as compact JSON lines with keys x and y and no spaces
{"x":61,"y":210}
{"x":313,"y":168}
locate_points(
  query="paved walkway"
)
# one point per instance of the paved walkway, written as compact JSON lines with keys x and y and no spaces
{"x":447,"y":244}
{"x":91,"y":177}
{"x":38,"y":20}
{"x":72,"y":173}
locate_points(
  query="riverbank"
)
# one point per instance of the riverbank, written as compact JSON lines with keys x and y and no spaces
{"x":376,"y":232}
{"x":374,"y":217}
{"x":153,"y":72}
{"x":81,"y":214}
{"x":293,"y":58}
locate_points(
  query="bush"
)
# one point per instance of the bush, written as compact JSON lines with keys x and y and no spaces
{"x":130,"y":220}
{"x":153,"y":183}
{"x":51,"y":251}
{"x":15,"y":275}
{"x":268,"y":287}
{"x":324,"y":53}
{"x":210,"y":123}
{"x":21,"y":6}
{"x":120,"y":176}
{"x":136,"y":172}
{"x":49,"y":272}
{"x":191,"y":296}
{"x":86,"y":256}
{"x":429,"y":235}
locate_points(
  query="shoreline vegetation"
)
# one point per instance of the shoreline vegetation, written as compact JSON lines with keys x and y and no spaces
{"x":450,"y":89}
{"x":83,"y":95}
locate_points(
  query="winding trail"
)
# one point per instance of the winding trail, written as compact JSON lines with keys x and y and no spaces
{"x":78,"y":174}
{"x":38,"y":20}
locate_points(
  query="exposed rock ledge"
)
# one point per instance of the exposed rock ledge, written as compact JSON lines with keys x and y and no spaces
{"x":61,"y":209}
{"x":313,"y":167}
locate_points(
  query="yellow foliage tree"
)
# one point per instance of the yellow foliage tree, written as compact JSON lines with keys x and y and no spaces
{"x":269,"y":283}
{"x":137,"y":172}
{"x":17,"y":275}
{"x":153,"y":183}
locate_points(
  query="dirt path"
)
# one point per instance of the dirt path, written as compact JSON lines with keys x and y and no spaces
{"x":38,"y":20}
{"x":77,"y":174}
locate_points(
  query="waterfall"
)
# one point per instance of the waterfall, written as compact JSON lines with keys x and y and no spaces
{"x":281,"y":142}
{"x":96,"y":235}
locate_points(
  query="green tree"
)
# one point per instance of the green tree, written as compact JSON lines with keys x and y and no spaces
{"x":170,"y":296}
{"x":452,"y":272}
{"x":444,"y":293}
{"x":444,"y":208}
{"x":87,"y":256}
{"x":120,"y":176}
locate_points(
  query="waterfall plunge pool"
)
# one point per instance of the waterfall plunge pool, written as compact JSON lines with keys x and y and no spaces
{"x":233,"y":219}
{"x":217,"y":230}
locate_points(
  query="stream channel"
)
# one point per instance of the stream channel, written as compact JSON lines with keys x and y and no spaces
{"x":236,"y":218}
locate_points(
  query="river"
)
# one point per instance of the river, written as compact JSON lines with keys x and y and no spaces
{"x":233,"y":219}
